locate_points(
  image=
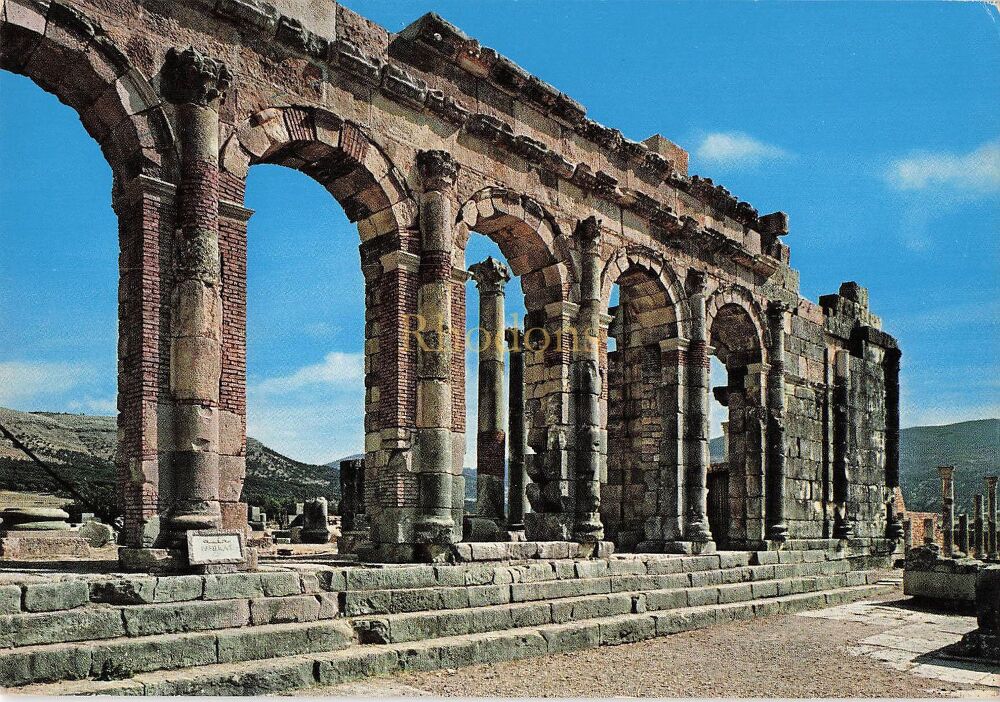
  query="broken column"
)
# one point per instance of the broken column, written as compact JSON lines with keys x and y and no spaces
{"x":962,"y":542}
{"x":434,"y":521}
{"x":947,"y":508}
{"x":316,"y":522}
{"x":991,"y":517}
{"x":907,"y":536}
{"x":517,"y":478}
{"x":697,"y":530}
{"x":194,"y":84}
{"x":490,"y":277}
{"x":587,"y":526}
{"x":777,"y":530}
{"x":978,"y":547}
{"x":928,"y":531}
{"x":352,"y":492}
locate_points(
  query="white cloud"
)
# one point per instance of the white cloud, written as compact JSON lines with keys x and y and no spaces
{"x":736,"y":149}
{"x":24,"y":381}
{"x":977,"y":171}
{"x":336,"y":369}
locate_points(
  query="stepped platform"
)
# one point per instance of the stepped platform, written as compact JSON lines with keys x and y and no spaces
{"x":299,"y":624}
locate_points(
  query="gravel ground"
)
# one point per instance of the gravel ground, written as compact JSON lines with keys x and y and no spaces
{"x":782,"y":656}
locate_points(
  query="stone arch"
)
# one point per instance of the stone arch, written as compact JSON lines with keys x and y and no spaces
{"x":739,"y":339}
{"x":351,"y":166}
{"x":338,"y":154}
{"x":70,"y":55}
{"x":640,"y":258}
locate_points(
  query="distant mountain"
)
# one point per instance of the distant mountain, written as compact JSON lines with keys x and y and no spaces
{"x":972,"y":447}
{"x":82,"y":447}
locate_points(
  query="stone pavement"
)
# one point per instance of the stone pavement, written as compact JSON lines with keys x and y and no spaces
{"x":911,"y":639}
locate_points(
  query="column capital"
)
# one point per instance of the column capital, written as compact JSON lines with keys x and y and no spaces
{"x":776,"y":309}
{"x":515,"y":339}
{"x":437,"y":168}
{"x":677,"y":343}
{"x":991,"y":481}
{"x":190,"y":77}
{"x":697,"y":282}
{"x":400,"y":259}
{"x":490,"y":276}
{"x":947,"y":472}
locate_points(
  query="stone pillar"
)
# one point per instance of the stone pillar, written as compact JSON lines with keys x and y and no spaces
{"x":928,"y":531}
{"x":434,"y":522}
{"x":947,"y":474}
{"x":893,"y":530}
{"x":962,"y":543}
{"x":991,"y":518}
{"x":777,"y":530}
{"x":978,"y":544}
{"x":907,"y":536}
{"x":673,"y":456}
{"x":490,"y":276}
{"x":517,"y":478}
{"x":697,"y":528}
{"x":841,"y":446}
{"x":587,"y":526}
{"x":316,"y":522}
{"x":194,"y":84}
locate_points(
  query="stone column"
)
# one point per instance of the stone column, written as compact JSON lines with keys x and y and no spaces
{"x":841,"y":446}
{"x":978,"y":545}
{"x":517,"y":477}
{"x":194,"y":84}
{"x":434,"y":522}
{"x":491,"y":441}
{"x":587,"y":527}
{"x":962,"y":543}
{"x":947,"y":474}
{"x":907,"y":536}
{"x":893,"y":529}
{"x":928,"y":531}
{"x":673,"y":399}
{"x":777,"y":530}
{"x":991,"y":517}
{"x":697,"y":528}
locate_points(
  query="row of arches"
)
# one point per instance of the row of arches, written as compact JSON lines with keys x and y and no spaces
{"x":120,"y":110}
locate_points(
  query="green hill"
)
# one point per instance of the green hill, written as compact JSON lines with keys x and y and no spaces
{"x":82,"y":447}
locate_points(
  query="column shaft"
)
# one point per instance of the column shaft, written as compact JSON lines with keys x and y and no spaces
{"x":697,"y":529}
{"x":977,"y":528}
{"x":587,"y":525}
{"x":434,"y":521}
{"x":517,"y":478}
{"x":947,"y":508}
{"x":892,"y":356}
{"x":777,"y":530}
{"x":991,"y":518}
{"x":841,"y":446}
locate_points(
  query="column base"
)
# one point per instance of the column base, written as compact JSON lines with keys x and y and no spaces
{"x":175,"y":561}
{"x":482,"y":529}
{"x":689,"y":548}
{"x":548,"y":526}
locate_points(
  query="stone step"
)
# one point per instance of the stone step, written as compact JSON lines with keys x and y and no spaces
{"x":586,"y":578}
{"x":125,"y":657}
{"x":302,"y":671}
{"x":424,"y":625}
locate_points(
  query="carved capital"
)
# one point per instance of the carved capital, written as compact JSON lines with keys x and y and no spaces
{"x":697,"y":282}
{"x":190,"y":77}
{"x":776,"y":310}
{"x":437,"y":168}
{"x":490,"y":276}
{"x":588,"y":231}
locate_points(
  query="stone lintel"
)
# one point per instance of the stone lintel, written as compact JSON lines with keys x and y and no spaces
{"x":402,"y":260}
{"x":234,"y":211}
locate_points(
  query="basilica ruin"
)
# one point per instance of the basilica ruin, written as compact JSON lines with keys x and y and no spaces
{"x":425,"y":137}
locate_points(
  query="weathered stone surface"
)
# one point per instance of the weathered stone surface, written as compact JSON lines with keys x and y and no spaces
{"x":82,"y":624}
{"x":190,"y":616}
{"x":48,"y":597}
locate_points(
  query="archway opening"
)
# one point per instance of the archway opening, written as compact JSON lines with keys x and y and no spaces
{"x":59,"y":276}
{"x":735,"y":479}
{"x":305,"y":342}
{"x":640,"y":317}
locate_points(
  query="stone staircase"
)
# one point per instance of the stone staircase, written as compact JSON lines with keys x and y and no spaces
{"x":312,"y":625}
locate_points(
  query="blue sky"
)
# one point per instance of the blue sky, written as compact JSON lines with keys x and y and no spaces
{"x":874,"y":125}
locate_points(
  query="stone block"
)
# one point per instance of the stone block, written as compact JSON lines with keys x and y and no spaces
{"x":124,"y":591}
{"x":25,"y":667}
{"x":509,"y":647}
{"x":179,"y":588}
{"x":735,"y":593}
{"x":232,"y":586}
{"x":279,"y":610}
{"x":666,"y":599}
{"x":10,"y":599}
{"x":146,"y":620}
{"x":485,"y":595}
{"x":50,"y":597}
{"x":454,"y":623}
{"x":354,"y":664}
{"x":333,"y":580}
{"x":703,"y":578}
{"x":764,"y":589}
{"x":536,"y":614}
{"x":248,"y":644}
{"x":392,"y":577}
{"x":572,"y":637}
{"x":280,"y":584}
{"x":420,"y":657}
{"x":699,"y":596}
{"x":83,"y":624}
{"x":357,"y":602}
{"x":414,"y":627}
{"x":417,"y":600}
{"x":627,"y":630}
{"x":485,"y":619}
{"x":125,"y":658}
{"x":262,"y":678}
{"x":329,"y":605}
